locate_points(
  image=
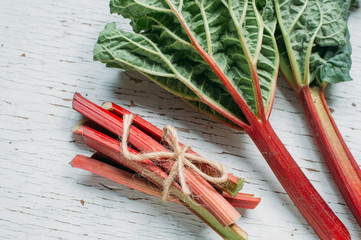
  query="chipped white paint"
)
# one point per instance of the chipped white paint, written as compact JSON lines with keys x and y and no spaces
{"x":46,"y":55}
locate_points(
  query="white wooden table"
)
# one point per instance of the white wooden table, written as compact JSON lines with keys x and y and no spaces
{"x":46,"y":56}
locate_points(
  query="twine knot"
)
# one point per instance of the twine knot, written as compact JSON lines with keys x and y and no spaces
{"x":179,"y":154}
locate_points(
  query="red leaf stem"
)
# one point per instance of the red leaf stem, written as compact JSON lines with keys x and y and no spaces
{"x":338,"y":158}
{"x":305,"y":197}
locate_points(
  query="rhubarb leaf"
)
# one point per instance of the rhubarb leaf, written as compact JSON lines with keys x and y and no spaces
{"x":313,"y":41}
{"x":163,"y":47}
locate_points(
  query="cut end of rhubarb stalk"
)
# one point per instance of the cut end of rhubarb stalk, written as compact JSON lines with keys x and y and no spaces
{"x":77,"y":161}
{"x":233,"y":187}
{"x":79,"y":126}
{"x":108,"y":106}
{"x":239,"y":231}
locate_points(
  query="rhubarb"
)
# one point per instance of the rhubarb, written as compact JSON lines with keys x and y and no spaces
{"x":309,"y":63}
{"x":220,"y":57}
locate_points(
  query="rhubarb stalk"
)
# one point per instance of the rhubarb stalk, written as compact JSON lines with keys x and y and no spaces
{"x":338,"y":157}
{"x":303,"y":194}
{"x":311,"y":58}
{"x":119,"y":176}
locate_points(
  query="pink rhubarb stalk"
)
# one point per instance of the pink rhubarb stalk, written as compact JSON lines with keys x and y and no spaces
{"x":243,"y":200}
{"x":338,"y":157}
{"x":120,"y":176}
{"x":311,"y":205}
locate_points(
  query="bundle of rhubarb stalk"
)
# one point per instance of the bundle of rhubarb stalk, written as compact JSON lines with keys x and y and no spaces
{"x":213,"y":201}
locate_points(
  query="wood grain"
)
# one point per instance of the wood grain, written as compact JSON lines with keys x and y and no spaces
{"x":46,"y":56}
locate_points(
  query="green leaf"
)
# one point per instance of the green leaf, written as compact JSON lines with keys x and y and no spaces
{"x":231,"y":33}
{"x":313,"y":41}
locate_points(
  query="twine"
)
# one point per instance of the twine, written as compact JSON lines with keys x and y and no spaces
{"x":180,"y":156}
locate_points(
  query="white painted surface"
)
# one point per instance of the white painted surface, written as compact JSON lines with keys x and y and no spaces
{"x":46,"y":55}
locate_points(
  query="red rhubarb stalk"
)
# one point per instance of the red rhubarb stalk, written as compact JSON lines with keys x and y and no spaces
{"x":120,"y":176}
{"x":199,"y":187}
{"x":338,"y":157}
{"x":243,"y":200}
{"x":308,"y":77}
{"x":232,"y":186}
{"x":311,"y":205}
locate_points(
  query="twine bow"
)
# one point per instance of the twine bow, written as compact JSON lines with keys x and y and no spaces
{"x":180,"y":155}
